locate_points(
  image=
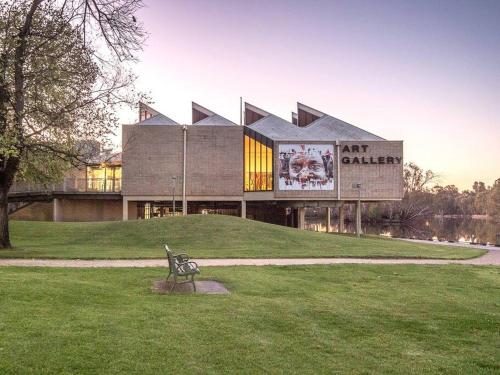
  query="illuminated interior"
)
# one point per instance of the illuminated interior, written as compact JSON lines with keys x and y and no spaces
{"x":258,"y":162}
{"x":104,"y":178}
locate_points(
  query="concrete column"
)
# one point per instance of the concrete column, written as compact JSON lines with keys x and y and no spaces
{"x":57,"y":209}
{"x":244,"y":209}
{"x":358,"y":218}
{"x":302,"y":217}
{"x":341,"y":218}
{"x":328,"y":214}
{"x":184,"y":200}
{"x":125,"y":209}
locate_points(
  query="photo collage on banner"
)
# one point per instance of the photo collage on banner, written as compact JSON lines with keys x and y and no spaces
{"x":306,"y":167}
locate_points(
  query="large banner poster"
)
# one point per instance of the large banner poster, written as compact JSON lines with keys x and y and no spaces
{"x":306,"y":167}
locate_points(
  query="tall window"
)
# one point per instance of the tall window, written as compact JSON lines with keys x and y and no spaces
{"x":258,"y":160}
{"x":104,"y":178}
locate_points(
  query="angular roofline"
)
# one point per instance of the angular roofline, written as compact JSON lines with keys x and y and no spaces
{"x":306,"y":108}
{"x":269,"y":115}
{"x":345,"y":122}
{"x":153,"y":112}
{"x":147,"y":107}
{"x":202,"y":109}
{"x":149,"y":119}
{"x":215,"y":115}
{"x":256,"y":109}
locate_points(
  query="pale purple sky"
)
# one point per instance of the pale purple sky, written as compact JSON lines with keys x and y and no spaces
{"x":426,"y":72}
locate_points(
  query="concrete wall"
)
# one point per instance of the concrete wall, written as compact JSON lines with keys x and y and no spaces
{"x":153,"y":154}
{"x":38,"y":211}
{"x":378,"y":181}
{"x":89,"y":210}
{"x":72,"y":210}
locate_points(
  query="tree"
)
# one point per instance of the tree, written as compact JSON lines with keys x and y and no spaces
{"x":415,"y":178}
{"x":446,"y":200}
{"x":494,"y":201}
{"x":416,"y":202}
{"x":63,"y":72}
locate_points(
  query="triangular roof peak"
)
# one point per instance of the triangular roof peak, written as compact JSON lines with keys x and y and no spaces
{"x":204,"y":116}
{"x":150,"y":116}
{"x":306,"y":108}
{"x":306,"y":114}
{"x":145,"y":111}
{"x":199,"y":112}
{"x":253,"y":113}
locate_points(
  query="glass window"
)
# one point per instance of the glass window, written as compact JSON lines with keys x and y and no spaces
{"x":104,"y":178}
{"x":258,"y":162}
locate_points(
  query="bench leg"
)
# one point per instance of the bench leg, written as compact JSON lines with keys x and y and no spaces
{"x":192,"y":280}
{"x":169,"y":274}
{"x":175,"y":283}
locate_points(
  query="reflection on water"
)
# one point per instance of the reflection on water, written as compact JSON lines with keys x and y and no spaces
{"x":446,"y":229}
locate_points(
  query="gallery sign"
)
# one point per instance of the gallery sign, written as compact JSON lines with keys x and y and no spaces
{"x":306,"y":167}
{"x":366,"y":159}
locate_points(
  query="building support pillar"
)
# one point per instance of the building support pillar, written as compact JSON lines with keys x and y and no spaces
{"x":184,"y":156}
{"x":302,"y":217}
{"x":358,"y":218}
{"x":125,"y":209}
{"x":244,"y":209}
{"x":57,"y":209}
{"x":328,"y":215}
{"x":341,"y":218}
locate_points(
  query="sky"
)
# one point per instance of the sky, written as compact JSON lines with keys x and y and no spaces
{"x":425,"y":72}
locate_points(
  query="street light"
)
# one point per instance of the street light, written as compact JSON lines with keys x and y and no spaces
{"x":358,"y":210}
{"x":173,"y":195}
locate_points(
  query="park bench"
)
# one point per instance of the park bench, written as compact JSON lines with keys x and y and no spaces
{"x":179,"y":265}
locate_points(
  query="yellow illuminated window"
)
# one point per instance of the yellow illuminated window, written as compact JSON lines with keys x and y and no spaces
{"x":269,"y":173}
{"x":104,"y":178}
{"x":247,"y":163}
{"x":258,"y":164}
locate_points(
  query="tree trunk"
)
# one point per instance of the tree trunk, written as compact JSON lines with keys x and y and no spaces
{"x":6,"y":180}
{"x":4,"y":219}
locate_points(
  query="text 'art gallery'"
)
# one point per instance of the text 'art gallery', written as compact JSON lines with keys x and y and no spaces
{"x":266,"y":169}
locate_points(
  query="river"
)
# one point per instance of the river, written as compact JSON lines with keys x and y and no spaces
{"x":445,"y":229}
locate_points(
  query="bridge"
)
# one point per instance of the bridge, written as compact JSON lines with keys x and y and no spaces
{"x":23,"y":194}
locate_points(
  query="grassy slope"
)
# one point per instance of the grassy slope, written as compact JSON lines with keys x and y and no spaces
{"x":204,"y":236}
{"x":316,"y":319}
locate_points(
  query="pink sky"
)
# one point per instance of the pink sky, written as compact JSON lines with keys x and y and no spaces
{"x":426,"y":73}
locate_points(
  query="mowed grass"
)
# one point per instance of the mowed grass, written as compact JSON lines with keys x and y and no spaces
{"x":308,"y":319}
{"x":205,"y":236}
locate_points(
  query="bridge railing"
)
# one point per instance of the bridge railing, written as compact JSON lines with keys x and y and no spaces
{"x":71,"y":184}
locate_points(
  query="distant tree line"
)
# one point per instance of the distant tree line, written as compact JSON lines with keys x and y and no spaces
{"x":423,"y":198}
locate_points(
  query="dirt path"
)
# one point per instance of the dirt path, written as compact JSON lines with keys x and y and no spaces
{"x":491,"y":258}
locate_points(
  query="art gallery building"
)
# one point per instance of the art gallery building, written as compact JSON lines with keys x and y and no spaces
{"x":267,"y":169}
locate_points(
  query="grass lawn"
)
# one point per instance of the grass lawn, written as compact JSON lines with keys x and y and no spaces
{"x":314,"y":319}
{"x":205,"y":236}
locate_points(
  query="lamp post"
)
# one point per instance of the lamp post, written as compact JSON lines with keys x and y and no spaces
{"x":173,"y":195}
{"x":358,"y":210}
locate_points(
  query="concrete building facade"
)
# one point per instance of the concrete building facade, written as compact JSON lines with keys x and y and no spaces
{"x":267,"y":169}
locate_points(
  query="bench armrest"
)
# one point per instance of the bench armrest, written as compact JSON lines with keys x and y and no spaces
{"x":182,"y":257}
{"x":191,"y":265}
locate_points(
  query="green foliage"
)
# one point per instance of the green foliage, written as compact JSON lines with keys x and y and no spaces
{"x":494,"y":200}
{"x":206,"y":236}
{"x":62,"y":79}
{"x":350,"y":319}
